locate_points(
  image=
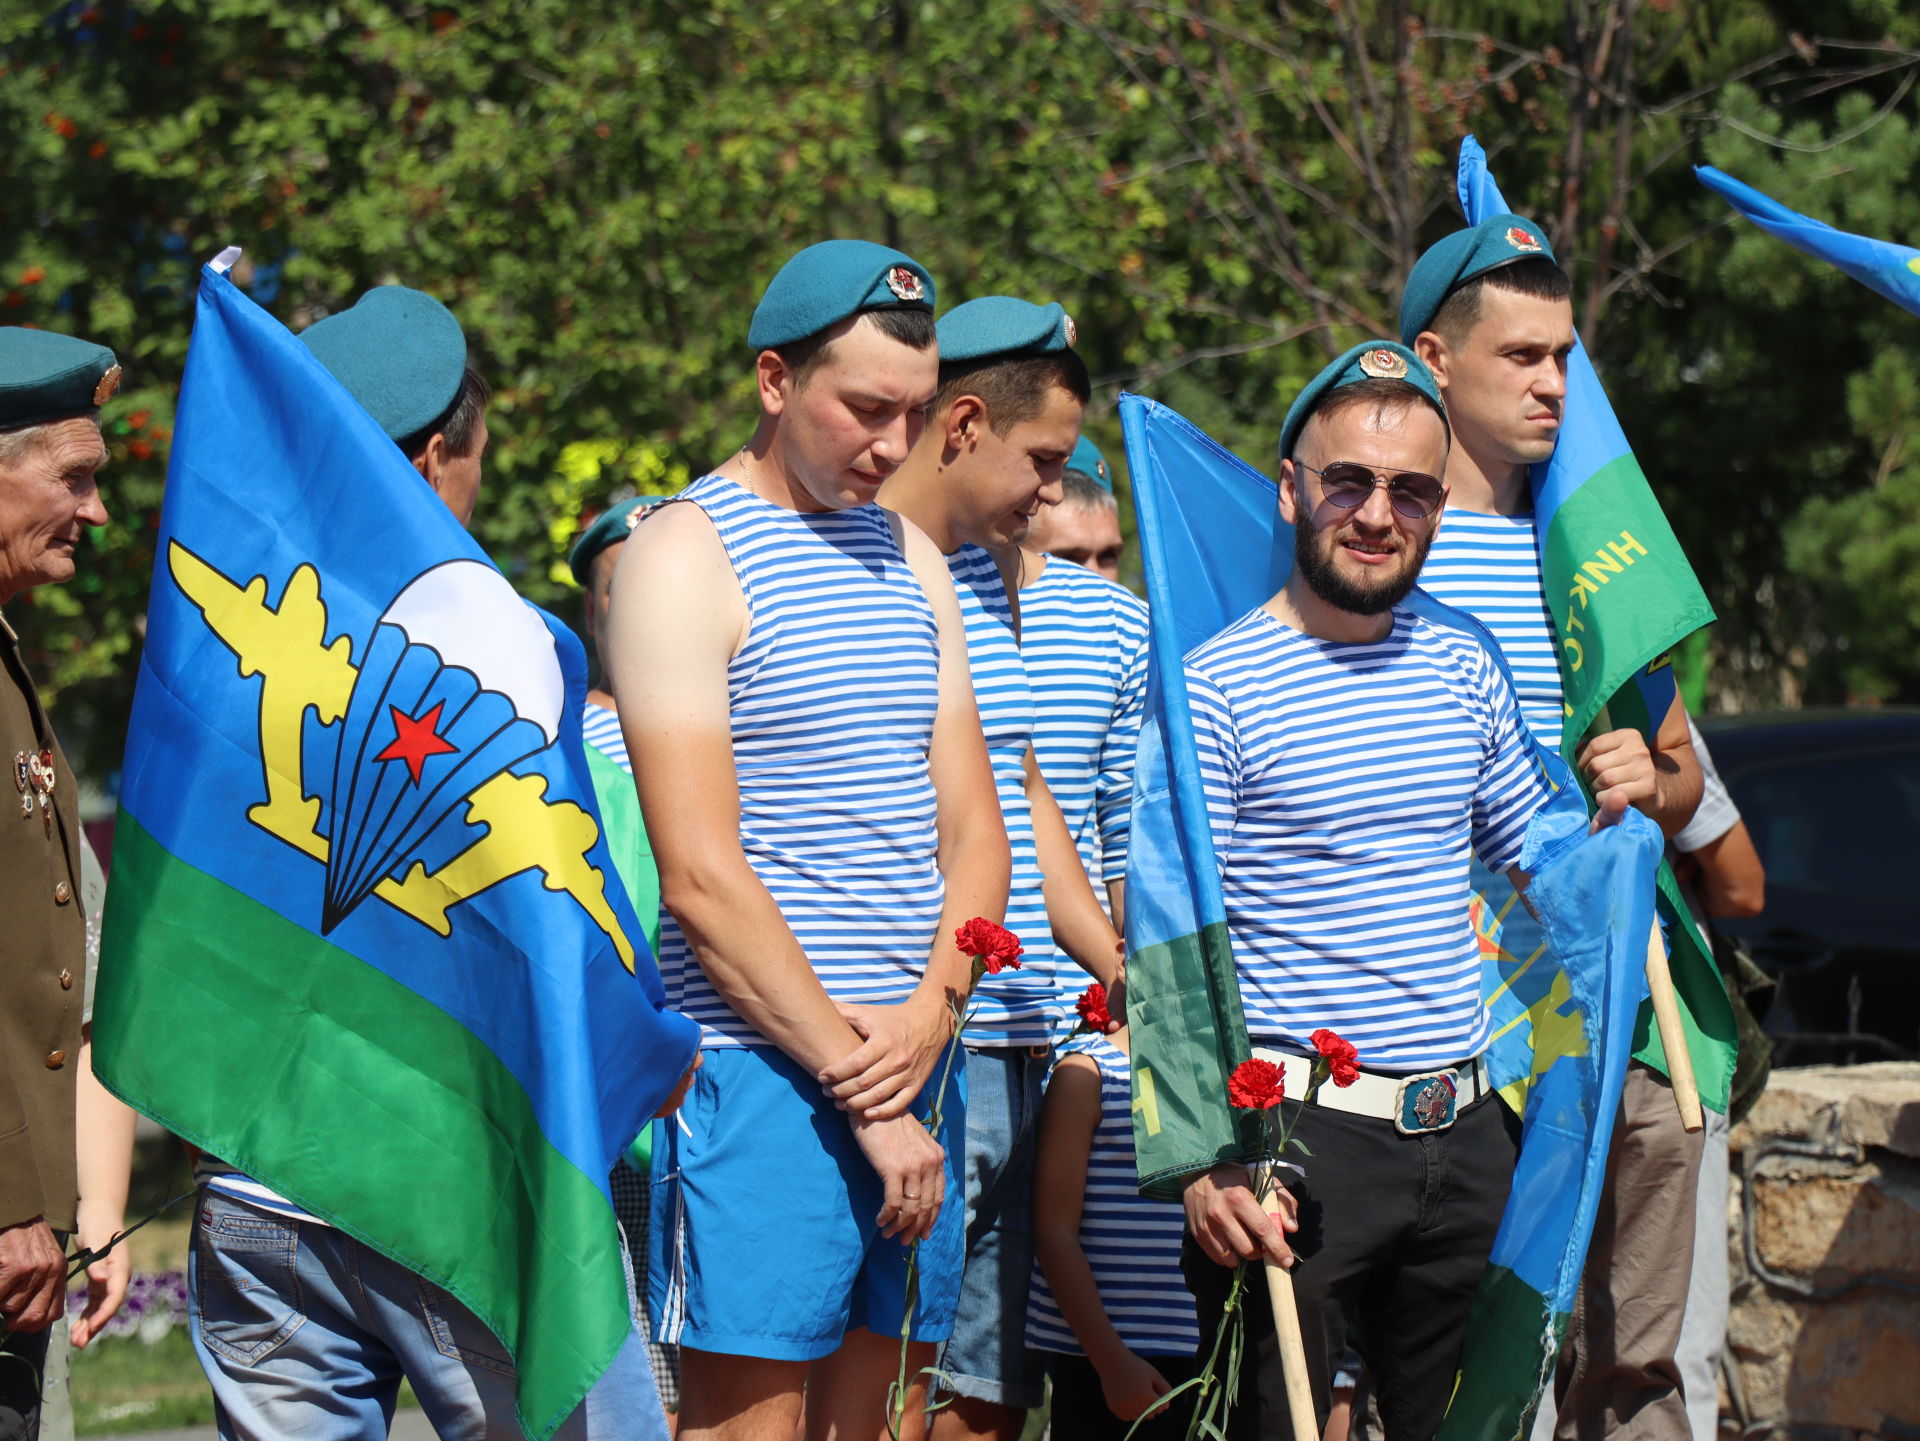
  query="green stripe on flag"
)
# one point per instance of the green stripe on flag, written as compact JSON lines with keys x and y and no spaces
{"x":1500,"y":1378}
{"x":1182,"y":1056}
{"x":379,"y":1106}
{"x":1619,"y":586}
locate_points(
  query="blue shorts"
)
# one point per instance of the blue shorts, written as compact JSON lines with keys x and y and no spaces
{"x":763,"y":1234}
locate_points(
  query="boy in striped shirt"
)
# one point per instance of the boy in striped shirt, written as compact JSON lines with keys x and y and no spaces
{"x":1356,"y":745}
{"x":793,"y":689}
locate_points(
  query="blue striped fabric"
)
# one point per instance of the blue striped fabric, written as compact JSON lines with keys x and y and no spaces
{"x":1014,"y":1008}
{"x":217,"y":1176}
{"x":832,"y":699}
{"x":1489,"y":566}
{"x":1085,"y":643}
{"x":1348,"y":785}
{"x":600,"y":728}
{"x":1132,"y":1245}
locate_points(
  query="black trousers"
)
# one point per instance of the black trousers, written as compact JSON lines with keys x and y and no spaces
{"x":23,"y":1360}
{"x":1080,"y":1411}
{"x":1394,"y":1236}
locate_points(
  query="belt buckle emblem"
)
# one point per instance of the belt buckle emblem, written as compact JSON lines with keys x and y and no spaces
{"x":1427,"y":1104}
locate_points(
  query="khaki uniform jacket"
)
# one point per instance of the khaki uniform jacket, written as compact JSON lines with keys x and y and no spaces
{"x":42,"y":963}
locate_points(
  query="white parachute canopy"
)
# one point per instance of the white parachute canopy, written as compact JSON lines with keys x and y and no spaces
{"x":466,"y":611}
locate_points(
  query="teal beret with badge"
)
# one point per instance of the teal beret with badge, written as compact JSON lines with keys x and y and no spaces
{"x":1496,"y":241}
{"x":1374,"y":360}
{"x":45,"y":376}
{"x":610,"y":527}
{"x":826,"y":283}
{"x":1002,"y":327}
{"x":399,"y":352}
{"x":1088,"y":460}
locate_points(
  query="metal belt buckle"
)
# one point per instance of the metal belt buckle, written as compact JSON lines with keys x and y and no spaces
{"x":1426,"y":1104}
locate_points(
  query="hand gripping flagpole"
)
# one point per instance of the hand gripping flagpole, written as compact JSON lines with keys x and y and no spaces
{"x":1286,"y":1325}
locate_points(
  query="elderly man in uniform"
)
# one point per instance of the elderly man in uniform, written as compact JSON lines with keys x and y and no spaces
{"x":51,"y":390}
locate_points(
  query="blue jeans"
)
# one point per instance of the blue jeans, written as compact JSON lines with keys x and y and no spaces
{"x":987,"y":1357}
{"x":305,"y":1332}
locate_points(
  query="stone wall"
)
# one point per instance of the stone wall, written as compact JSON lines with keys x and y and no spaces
{"x":1824,"y":1239}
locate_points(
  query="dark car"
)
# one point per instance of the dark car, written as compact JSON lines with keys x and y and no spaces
{"x":1832,"y":799}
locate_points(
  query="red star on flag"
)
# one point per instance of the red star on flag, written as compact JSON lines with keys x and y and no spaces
{"x":415,"y":738}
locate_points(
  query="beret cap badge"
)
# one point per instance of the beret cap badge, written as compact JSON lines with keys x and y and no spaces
{"x":1073,"y":331}
{"x":1384,"y":364}
{"x":1522,"y":239}
{"x":109,"y":383}
{"x":905,"y":284}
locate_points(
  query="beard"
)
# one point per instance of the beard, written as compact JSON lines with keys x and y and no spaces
{"x":1315,"y":555}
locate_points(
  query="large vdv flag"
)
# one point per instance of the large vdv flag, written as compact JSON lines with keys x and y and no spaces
{"x":1622,"y":595}
{"x":1882,"y":266}
{"x":1214,"y":547}
{"x":364,"y":939}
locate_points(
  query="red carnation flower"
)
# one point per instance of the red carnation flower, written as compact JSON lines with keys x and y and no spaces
{"x":1255,"y":1085}
{"x":1343,"y":1060}
{"x":1092,"y":1007}
{"x":997,"y":948}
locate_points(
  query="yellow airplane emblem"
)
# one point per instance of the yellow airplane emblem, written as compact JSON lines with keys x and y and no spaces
{"x":299,"y":671}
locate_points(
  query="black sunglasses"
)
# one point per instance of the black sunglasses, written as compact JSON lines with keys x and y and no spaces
{"x":1347,"y":484}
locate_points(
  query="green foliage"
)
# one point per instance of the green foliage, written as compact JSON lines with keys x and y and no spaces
{"x":1223,"y":196}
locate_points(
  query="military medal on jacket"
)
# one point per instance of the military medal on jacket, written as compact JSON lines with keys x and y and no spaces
{"x":33,"y":777}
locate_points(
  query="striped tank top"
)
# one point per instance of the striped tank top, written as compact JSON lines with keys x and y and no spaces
{"x":1489,"y":566}
{"x":1014,"y":1008}
{"x":1085,"y":643}
{"x":1132,"y":1244}
{"x":831,"y":699}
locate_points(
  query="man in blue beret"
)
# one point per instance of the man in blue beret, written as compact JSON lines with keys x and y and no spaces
{"x":1084,"y":528}
{"x":1355,"y":751}
{"x":790,"y":664}
{"x":1083,"y":636}
{"x":51,"y":390}
{"x":1491,"y":313}
{"x":284,"y":1333}
{"x":1012,"y":392}
{"x":403,"y":356}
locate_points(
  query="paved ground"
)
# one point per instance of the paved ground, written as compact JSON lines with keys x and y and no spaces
{"x":407,"y":1426}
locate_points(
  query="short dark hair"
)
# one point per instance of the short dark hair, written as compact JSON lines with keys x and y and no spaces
{"x":1014,"y":390}
{"x":1380,"y":393}
{"x":1083,"y":490}
{"x":459,"y":422}
{"x":1538,"y":277}
{"x":911,"y":325}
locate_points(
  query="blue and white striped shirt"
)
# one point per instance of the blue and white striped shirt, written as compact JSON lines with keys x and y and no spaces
{"x":600,"y":728}
{"x":1085,"y":643}
{"x":832,"y":698}
{"x":1016,"y":1007}
{"x":1132,"y":1244}
{"x":1489,"y":567}
{"x":1348,"y":785}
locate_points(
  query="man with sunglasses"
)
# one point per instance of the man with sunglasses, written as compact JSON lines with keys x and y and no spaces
{"x":1356,"y":746}
{"x":1491,"y":313}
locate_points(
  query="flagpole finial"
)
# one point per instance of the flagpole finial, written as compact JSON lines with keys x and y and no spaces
{"x":224,"y":261}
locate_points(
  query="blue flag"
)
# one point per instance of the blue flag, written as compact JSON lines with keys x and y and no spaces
{"x":1886,"y":268}
{"x":365,"y":941}
{"x":1214,"y":547}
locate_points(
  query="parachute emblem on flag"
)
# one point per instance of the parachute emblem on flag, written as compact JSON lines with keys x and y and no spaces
{"x":458,"y":683}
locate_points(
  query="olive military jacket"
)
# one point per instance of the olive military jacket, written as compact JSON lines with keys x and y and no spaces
{"x":42,"y":957}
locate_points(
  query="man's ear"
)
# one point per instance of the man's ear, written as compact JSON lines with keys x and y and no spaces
{"x":1431,"y":349}
{"x":431,"y":462}
{"x":963,"y":422}
{"x":773,"y":380}
{"x":1289,"y":492}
